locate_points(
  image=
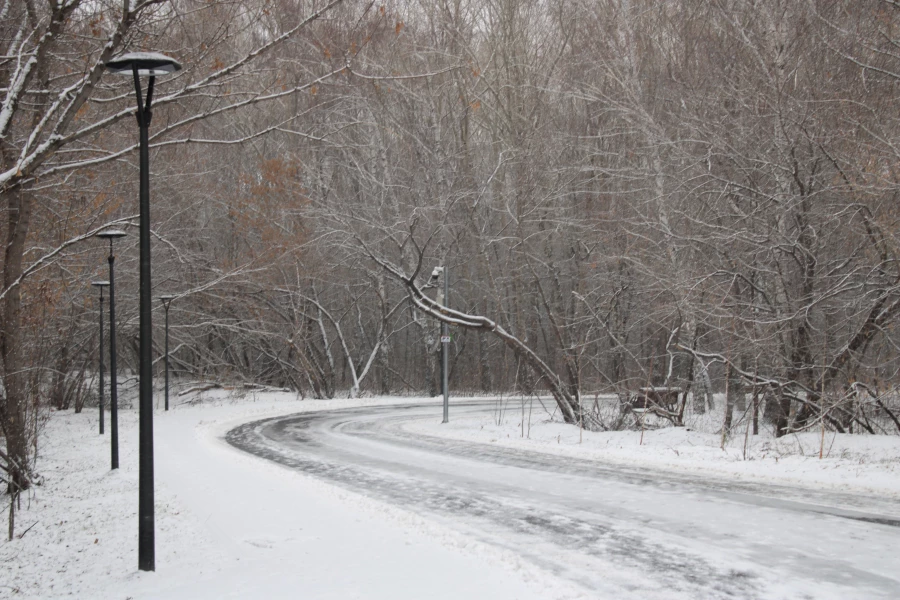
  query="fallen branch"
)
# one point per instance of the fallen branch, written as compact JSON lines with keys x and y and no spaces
{"x":200,"y":388}
{"x":264,"y":388}
{"x":21,"y":535}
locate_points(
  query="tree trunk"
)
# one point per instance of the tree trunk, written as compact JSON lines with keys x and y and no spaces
{"x":11,"y":351}
{"x":702,"y":388}
{"x":729,"y":400}
{"x":778,"y":410}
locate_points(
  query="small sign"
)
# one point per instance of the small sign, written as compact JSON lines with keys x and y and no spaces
{"x":445,"y":339}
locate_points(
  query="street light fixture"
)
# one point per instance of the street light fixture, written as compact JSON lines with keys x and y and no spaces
{"x":167,"y":300}
{"x":101,"y":285}
{"x":112,"y":234}
{"x":443,"y":300}
{"x":147,"y":64}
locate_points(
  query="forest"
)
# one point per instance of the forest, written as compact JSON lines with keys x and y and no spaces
{"x":696,"y":195}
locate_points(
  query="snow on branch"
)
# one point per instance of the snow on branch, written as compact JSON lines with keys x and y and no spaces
{"x":47,"y":259}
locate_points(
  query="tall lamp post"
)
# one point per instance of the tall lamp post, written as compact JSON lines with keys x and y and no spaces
{"x":101,"y":285}
{"x":147,"y":64}
{"x":112,"y":234}
{"x":445,"y":346}
{"x":167,"y":300}
{"x":443,"y":300}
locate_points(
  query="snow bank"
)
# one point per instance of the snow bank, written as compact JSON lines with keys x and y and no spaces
{"x":865,"y":464}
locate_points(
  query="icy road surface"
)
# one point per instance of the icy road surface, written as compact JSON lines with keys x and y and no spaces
{"x":616,"y":532}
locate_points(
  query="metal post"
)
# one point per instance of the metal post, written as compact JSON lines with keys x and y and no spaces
{"x":113,"y":383}
{"x":445,"y":349}
{"x":166,"y":304}
{"x":150,"y":64}
{"x":146,"y":516}
{"x":101,"y":360}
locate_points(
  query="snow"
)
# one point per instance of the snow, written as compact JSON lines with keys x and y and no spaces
{"x":867,"y":464}
{"x":229,"y":525}
{"x":232,"y":525}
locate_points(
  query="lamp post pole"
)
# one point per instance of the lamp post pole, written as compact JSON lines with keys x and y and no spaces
{"x":101,"y":285}
{"x":148,"y":64}
{"x":167,"y":300}
{"x":146,"y":514}
{"x":445,"y":350}
{"x":111,"y":235}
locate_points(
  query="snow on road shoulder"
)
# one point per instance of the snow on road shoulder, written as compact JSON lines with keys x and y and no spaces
{"x":229,"y":525}
{"x":863,"y":464}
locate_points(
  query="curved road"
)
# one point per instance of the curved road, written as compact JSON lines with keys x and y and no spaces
{"x":616,"y":532}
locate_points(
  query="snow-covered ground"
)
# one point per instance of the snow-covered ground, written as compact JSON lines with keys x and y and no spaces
{"x":856,"y":463}
{"x":230,"y":525}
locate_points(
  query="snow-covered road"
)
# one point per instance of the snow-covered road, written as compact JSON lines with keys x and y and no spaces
{"x":615,"y":532}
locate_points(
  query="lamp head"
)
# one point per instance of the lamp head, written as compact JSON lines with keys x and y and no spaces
{"x":111,"y":234}
{"x":147,"y":63}
{"x":100,"y":284}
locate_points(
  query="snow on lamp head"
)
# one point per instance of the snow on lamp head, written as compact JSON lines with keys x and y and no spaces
{"x":147,"y":63}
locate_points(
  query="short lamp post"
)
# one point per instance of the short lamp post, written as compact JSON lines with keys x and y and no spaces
{"x":166,"y":299}
{"x":101,"y":285}
{"x":112,"y":234}
{"x":146,"y":64}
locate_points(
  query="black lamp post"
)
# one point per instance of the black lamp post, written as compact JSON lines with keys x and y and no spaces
{"x":148,"y":64}
{"x":101,"y":285}
{"x":167,"y":300}
{"x":112,"y":234}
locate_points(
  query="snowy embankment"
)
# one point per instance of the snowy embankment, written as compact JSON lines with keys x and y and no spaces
{"x":229,"y":525}
{"x":863,"y":464}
